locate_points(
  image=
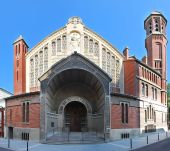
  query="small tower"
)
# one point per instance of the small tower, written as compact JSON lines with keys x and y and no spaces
{"x":20,"y":49}
{"x":156,"y":43}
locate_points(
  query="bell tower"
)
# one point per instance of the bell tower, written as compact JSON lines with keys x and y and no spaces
{"x":156,"y":43}
{"x":20,"y":50}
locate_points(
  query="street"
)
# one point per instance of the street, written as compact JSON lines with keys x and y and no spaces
{"x":159,"y":146}
{"x":3,"y":149}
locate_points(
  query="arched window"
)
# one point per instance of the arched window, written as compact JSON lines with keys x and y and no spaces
{"x":58,"y":45}
{"x":117,"y":72}
{"x":145,"y":116}
{"x":108,"y":63}
{"x":45,"y":58}
{"x":146,"y":90}
{"x":91,"y":46}
{"x":36,"y":70}
{"x":86,"y":43}
{"x":104,"y":59}
{"x":31,"y":72}
{"x":157,"y":25}
{"x":53,"y":48}
{"x":113,"y":69}
{"x":96,"y":49}
{"x":143,"y":89}
{"x":155,"y":94}
{"x":64,"y":42}
{"x":41,"y":63}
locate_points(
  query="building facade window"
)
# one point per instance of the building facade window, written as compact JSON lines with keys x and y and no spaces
{"x":96,"y":49}
{"x":53,"y":48}
{"x":41,"y":63}
{"x":58,"y":45}
{"x":143,"y":89}
{"x":25,"y":111}
{"x":64,"y":42}
{"x":45,"y":58}
{"x":146,"y":90}
{"x":104,"y":59}
{"x":91,"y":46}
{"x":125,"y":113}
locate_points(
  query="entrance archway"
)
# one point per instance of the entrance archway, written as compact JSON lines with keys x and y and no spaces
{"x":75,"y":114}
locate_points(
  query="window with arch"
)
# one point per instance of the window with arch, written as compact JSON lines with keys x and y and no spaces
{"x":108,"y":63}
{"x":104,"y":59}
{"x":117,"y":72}
{"x":31,"y":72}
{"x":45,"y":58}
{"x":146,"y":90}
{"x":157,"y":24}
{"x":125,"y":112}
{"x":59,"y":45}
{"x":86,"y":41}
{"x":64,"y":42}
{"x":53,"y":48}
{"x":40,"y":63}
{"x":113,"y":68}
{"x":91,"y":46}
{"x":96,"y":49}
{"x":143,"y":89}
{"x":36,"y":70}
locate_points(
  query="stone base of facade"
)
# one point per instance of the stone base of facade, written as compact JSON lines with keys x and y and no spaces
{"x":116,"y":134}
{"x":32,"y":134}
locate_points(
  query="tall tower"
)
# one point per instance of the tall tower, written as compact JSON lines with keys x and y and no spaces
{"x":156,"y":43}
{"x":20,"y":49}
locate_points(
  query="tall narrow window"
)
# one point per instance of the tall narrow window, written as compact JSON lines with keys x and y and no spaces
{"x":113,"y":69}
{"x":36,"y":70}
{"x":126,"y":109}
{"x":64,"y":42}
{"x":96,"y":49}
{"x":41,"y":63}
{"x":146,"y":90}
{"x":91,"y":45}
{"x":86,"y":43}
{"x":108,"y":63}
{"x":122,"y":108}
{"x":145,"y":116}
{"x":53,"y":48}
{"x":58,"y":45}
{"x":45,"y":58}
{"x":104,"y":59}
{"x":27,"y":111}
{"x":23,"y":112}
{"x":117,"y":73}
{"x":154,"y":116}
{"x":153,"y":96}
{"x":143,"y":89}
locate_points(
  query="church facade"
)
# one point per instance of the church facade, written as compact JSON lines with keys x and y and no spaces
{"x":76,"y":81}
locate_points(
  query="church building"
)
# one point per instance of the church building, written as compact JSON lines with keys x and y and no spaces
{"x":74,"y":82}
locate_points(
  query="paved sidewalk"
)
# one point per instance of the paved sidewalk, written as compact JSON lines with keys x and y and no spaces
{"x":122,"y":145}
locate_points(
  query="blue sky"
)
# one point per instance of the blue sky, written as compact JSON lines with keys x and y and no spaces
{"x":118,"y":21}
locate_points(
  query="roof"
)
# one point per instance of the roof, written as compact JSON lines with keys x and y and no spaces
{"x":20,"y":38}
{"x":6,"y":91}
{"x":156,"y":13}
{"x":22,"y":95}
{"x":143,"y":64}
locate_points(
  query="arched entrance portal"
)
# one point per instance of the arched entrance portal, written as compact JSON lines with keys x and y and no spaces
{"x":75,"y":114}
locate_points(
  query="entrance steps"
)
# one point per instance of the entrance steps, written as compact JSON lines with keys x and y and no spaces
{"x":74,"y":137}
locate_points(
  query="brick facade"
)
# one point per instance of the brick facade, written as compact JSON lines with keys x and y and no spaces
{"x":14,"y":115}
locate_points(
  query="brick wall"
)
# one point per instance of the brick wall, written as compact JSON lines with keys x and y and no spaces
{"x":14,"y":113}
{"x":133,"y":119}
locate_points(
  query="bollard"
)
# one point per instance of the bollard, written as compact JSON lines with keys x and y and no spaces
{"x":147,"y":140}
{"x":158,"y":136}
{"x":131,"y":143}
{"x":8,"y":142}
{"x":27,"y":145}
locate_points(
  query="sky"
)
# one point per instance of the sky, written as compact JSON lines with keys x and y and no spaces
{"x":118,"y":21}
